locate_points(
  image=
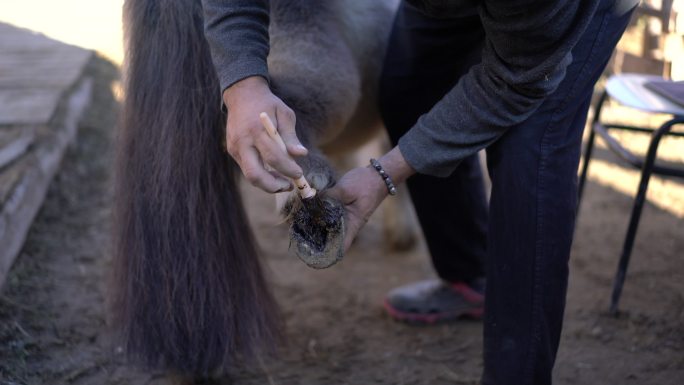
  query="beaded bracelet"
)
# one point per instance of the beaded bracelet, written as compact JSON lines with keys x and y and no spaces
{"x":386,"y":178}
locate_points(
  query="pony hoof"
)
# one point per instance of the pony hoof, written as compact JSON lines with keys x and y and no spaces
{"x":318,"y":237}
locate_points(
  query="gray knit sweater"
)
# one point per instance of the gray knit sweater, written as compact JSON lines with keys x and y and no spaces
{"x":527,"y":51}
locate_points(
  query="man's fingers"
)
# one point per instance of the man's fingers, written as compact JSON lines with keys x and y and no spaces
{"x":273,"y":155}
{"x":258,"y":176}
{"x":285,"y":122}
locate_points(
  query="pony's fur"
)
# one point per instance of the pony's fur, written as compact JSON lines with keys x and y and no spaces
{"x":189,"y":293}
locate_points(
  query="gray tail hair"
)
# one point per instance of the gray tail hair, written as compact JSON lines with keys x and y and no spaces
{"x":189,"y":294}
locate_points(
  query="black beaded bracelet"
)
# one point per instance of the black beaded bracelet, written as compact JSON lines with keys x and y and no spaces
{"x":385,"y":177}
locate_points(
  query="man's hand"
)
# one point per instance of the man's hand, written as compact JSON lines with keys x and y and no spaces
{"x":248,"y":142}
{"x":362,"y":189}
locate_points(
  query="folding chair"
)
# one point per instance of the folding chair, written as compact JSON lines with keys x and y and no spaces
{"x":635,"y":91}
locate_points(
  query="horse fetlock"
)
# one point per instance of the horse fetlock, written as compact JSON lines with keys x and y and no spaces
{"x":319,"y":180}
{"x":318,"y":171}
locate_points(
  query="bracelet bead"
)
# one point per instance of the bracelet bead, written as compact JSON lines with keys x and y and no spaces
{"x":391,"y":188}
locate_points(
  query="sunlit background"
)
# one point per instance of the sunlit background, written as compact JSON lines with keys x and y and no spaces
{"x":94,"y":24}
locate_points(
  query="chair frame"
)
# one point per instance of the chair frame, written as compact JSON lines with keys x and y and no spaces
{"x":647,"y":165}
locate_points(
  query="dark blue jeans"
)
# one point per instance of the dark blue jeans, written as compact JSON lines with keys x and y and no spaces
{"x":522,"y":238}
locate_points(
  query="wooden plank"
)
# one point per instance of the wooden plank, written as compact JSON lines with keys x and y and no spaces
{"x":14,"y":141}
{"x":34,"y":72}
{"x":29,"y":106}
{"x":52,"y":67}
{"x":43,"y":94}
{"x":28,"y":179}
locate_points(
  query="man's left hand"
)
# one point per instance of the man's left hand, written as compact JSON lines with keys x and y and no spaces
{"x":361,"y":191}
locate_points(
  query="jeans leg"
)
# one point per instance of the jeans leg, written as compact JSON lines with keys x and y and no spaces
{"x":425,"y":58}
{"x":532,"y":211}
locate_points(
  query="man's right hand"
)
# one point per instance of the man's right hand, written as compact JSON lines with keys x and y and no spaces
{"x":248,"y":142}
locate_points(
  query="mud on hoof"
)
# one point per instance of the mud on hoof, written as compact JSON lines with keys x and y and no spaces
{"x":317,"y":231}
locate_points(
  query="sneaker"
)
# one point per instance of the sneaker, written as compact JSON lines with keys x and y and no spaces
{"x":432,"y":301}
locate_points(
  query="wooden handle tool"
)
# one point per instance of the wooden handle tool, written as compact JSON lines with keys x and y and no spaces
{"x":305,"y":190}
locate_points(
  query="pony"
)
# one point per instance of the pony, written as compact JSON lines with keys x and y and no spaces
{"x":189,"y":294}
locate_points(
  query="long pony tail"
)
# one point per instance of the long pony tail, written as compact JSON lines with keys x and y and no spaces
{"x":189,"y":294}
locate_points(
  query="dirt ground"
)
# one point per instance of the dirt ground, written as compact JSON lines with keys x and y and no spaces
{"x":53,"y":328}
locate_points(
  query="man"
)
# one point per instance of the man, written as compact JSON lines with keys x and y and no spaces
{"x":515,"y":77}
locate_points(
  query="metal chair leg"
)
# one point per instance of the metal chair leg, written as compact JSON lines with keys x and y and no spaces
{"x":589,"y":147}
{"x":636,"y":212}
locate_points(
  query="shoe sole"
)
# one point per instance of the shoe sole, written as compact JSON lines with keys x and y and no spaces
{"x":432,"y":318}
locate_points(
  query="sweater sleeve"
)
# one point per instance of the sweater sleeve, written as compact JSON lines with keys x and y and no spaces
{"x":527,"y":50}
{"x":237,"y":33}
